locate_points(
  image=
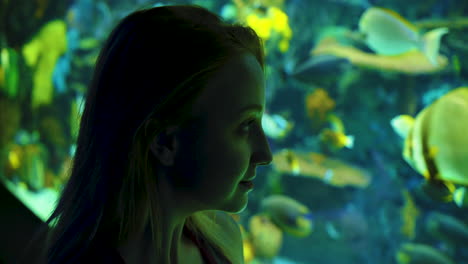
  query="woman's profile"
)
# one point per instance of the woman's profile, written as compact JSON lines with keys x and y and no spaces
{"x":169,"y":139}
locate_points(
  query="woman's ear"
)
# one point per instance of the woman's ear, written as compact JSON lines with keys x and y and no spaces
{"x":165,"y":145}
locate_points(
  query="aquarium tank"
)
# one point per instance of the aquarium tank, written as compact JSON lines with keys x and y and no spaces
{"x":366,"y":116}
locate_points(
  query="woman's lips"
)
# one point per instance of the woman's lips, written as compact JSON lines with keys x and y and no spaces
{"x":247,"y":184}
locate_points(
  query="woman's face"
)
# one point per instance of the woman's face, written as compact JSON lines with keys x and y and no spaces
{"x":230,"y":143}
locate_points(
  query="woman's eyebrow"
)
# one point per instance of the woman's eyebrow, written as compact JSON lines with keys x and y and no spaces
{"x":252,"y":107}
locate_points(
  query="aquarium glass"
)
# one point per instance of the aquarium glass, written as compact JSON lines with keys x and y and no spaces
{"x":366,"y":116}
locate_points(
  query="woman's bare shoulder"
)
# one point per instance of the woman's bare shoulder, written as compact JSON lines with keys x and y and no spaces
{"x":231,"y":230}
{"x":228,"y":222}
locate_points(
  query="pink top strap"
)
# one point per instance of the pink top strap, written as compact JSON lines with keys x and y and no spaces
{"x":204,"y":248}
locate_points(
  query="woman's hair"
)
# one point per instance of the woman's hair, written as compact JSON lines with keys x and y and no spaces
{"x":149,"y":72}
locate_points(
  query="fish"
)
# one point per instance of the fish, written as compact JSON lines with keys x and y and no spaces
{"x":412,"y":62}
{"x":447,"y":228}
{"x":336,"y":137}
{"x":415,"y":253}
{"x":288,"y":214}
{"x":276,"y":126}
{"x":315,"y":67}
{"x":316,"y":165}
{"x":409,"y":214}
{"x":388,"y":33}
{"x":266,"y":237}
{"x":436,"y":145}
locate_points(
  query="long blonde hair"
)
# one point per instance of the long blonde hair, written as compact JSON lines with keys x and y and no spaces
{"x":151,"y":69}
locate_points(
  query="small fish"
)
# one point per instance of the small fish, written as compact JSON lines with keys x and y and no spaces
{"x":315,"y":67}
{"x":331,"y":231}
{"x":412,"y":253}
{"x":293,"y":162}
{"x":447,"y":228}
{"x":409,"y":214}
{"x":388,"y":33}
{"x":336,"y":137}
{"x":265,"y":236}
{"x":288,"y":214}
{"x":276,"y":126}
{"x":315,"y":165}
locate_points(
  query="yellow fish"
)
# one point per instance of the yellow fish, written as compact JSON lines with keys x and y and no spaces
{"x":409,"y":214}
{"x":411,"y":62}
{"x":336,"y":137}
{"x":288,"y":214}
{"x":265,"y":237}
{"x":315,"y":165}
{"x":436,"y":145}
{"x":388,"y":33}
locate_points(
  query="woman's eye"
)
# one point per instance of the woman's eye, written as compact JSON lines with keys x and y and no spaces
{"x":247,"y":125}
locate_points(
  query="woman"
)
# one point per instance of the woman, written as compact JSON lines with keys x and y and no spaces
{"x":170,"y":137}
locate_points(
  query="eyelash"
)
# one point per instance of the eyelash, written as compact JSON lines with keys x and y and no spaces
{"x":248,"y":123}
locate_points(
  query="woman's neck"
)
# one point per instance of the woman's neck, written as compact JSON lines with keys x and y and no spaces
{"x":140,"y":248}
{"x":175,"y":208}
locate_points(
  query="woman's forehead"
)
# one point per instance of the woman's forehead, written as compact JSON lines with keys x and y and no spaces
{"x":240,"y":82}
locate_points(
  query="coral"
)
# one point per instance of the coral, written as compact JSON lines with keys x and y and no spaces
{"x":9,"y":72}
{"x":10,"y":115}
{"x":33,"y":166}
{"x":42,"y":54}
{"x":52,"y":131}
{"x":270,"y":24}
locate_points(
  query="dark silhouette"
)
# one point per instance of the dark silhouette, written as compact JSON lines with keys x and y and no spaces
{"x":163,"y":150}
